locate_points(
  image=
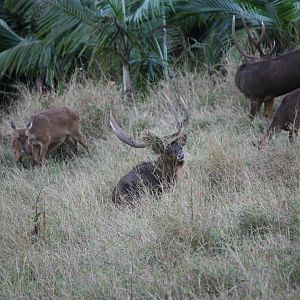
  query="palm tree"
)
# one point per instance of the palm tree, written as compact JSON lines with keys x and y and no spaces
{"x":208,"y":23}
{"x":137,"y":36}
{"x":67,"y":31}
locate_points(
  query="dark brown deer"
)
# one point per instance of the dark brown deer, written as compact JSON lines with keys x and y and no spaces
{"x":263,"y":78}
{"x":45,"y":132}
{"x":287,"y":117}
{"x":153,"y":176}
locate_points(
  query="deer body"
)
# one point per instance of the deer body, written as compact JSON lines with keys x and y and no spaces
{"x":64,"y":151}
{"x":287,"y":117}
{"x":261,"y":81}
{"x":154,"y":176}
{"x":47,"y":130}
{"x":263,"y":78}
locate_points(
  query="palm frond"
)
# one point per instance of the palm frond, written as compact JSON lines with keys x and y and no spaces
{"x":8,"y":38}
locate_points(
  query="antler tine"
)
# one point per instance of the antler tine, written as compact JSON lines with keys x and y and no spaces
{"x":272,"y":49}
{"x":122,"y":135}
{"x":234,"y":38}
{"x":256,"y":43}
{"x":174,"y":112}
{"x":263,"y":32}
{"x":186,"y":118}
{"x":181,"y":126}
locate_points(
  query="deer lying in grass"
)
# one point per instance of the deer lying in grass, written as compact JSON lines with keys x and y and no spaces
{"x":287,"y":117}
{"x":263,"y":78}
{"x":154,"y":176}
{"x":45,"y":132}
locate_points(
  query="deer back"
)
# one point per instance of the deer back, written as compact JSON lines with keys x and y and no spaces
{"x":52,"y":124}
{"x":269,"y":77}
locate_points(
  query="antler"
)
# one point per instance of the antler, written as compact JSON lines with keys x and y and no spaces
{"x":180,"y":125}
{"x":234,"y":38}
{"x":122,"y":135}
{"x":174,"y":112}
{"x":186,"y":119}
{"x":256,"y":43}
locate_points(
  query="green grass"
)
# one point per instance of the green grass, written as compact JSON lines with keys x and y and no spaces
{"x":229,"y":229}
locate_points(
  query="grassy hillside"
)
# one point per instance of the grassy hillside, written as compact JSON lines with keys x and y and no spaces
{"x":229,"y":228}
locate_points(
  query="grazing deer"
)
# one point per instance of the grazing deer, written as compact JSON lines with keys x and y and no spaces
{"x":263,"y":78}
{"x":23,"y":150}
{"x":153,"y":176}
{"x":287,"y":117}
{"x":45,"y":132}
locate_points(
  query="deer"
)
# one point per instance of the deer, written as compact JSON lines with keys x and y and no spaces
{"x":152,"y":176}
{"x":263,"y":78}
{"x":45,"y":132}
{"x":287,"y":117}
{"x":23,"y":150}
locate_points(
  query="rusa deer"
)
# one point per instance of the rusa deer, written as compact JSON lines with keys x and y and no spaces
{"x":287,"y":117}
{"x":153,"y":176}
{"x":263,"y":78}
{"x":45,"y":132}
{"x":23,"y":150}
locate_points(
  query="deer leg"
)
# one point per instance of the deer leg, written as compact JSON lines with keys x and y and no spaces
{"x":264,"y":140}
{"x":43,"y":152}
{"x":53,"y":146}
{"x":18,"y":156}
{"x":293,"y":131}
{"x":291,"y":135}
{"x":35,"y":154}
{"x":268,"y":108}
{"x":71,"y":145}
{"x":255,"y":107}
{"x":85,"y":146}
{"x":77,"y":135}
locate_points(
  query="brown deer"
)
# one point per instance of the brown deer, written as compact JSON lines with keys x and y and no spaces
{"x":153,"y":176}
{"x":23,"y":150}
{"x":287,"y":117}
{"x":45,"y":132}
{"x":263,"y":78}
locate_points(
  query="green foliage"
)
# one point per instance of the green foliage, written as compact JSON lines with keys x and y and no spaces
{"x":50,"y":39}
{"x":9,"y":37}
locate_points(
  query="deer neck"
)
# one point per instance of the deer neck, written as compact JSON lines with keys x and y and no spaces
{"x":169,"y":168}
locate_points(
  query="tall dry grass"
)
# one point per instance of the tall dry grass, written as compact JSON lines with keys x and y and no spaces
{"x":229,"y":229}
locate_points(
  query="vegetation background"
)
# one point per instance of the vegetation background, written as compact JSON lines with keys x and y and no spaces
{"x":228,"y":229}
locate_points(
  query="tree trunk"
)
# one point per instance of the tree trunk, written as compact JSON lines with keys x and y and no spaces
{"x":165,"y":46}
{"x":127,"y":84}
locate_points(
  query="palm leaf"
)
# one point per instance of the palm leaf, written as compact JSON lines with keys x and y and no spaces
{"x":8,"y":38}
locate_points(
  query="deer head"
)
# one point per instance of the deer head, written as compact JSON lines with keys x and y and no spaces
{"x":169,"y":146}
{"x":19,"y":142}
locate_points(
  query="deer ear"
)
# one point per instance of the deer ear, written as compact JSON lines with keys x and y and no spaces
{"x":182,"y":140}
{"x":13,"y":125}
{"x":154,"y":143}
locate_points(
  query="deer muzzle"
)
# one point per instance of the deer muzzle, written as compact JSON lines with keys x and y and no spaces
{"x":180,"y":156}
{"x":25,"y":150}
